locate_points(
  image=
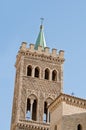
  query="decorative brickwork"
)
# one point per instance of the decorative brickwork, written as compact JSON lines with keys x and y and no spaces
{"x":35,"y":88}
{"x":67,"y":112}
{"x":39,"y":102}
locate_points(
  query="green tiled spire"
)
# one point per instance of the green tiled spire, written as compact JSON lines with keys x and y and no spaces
{"x":40,"y":39}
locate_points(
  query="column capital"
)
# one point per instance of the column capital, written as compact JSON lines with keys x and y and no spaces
{"x":31,"y":101}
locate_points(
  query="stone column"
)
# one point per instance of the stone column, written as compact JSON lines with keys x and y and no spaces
{"x":33,"y":72}
{"x":50,"y":75}
{"x":48,"y":116}
{"x":31,"y":108}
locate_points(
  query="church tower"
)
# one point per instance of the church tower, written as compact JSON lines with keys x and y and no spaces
{"x":38,"y":81}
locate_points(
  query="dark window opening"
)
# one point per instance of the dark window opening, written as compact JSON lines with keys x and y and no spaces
{"x":54,"y":75}
{"x":34,"y":110}
{"x":37,"y":72}
{"x":55,"y":128}
{"x":47,"y":74}
{"x":28,"y":109}
{"x":29,"y":70}
{"x":45,"y":112}
{"x":79,"y":127}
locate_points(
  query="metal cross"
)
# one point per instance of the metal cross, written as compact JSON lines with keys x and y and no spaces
{"x":42,"y":19}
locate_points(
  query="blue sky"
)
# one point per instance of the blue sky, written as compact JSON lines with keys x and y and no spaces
{"x":64,"y":28}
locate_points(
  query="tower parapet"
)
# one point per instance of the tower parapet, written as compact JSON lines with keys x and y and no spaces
{"x":46,"y":50}
{"x":53,"y":56}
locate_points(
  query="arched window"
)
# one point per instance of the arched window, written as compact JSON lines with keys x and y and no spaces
{"x":54,"y":75}
{"x":31,"y":114}
{"x":29,"y":70}
{"x":47,"y":74}
{"x":79,"y":127}
{"x":36,"y":72}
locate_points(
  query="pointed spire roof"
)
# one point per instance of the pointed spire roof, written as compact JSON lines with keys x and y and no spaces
{"x":40,"y":39}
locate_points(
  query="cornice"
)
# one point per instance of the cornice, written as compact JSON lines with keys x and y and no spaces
{"x":72,"y":100}
{"x":40,"y":54}
{"x":33,"y":124}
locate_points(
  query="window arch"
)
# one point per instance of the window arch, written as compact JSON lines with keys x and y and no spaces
{"x":79,"y":127}
{"x":37,"y":70}
{"x":47,"y":72}
{"x":54,"y":75}
{"x":29,"y":70}
{"x":31,"y":110}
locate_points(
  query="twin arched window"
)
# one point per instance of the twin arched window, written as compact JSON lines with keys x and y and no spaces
{"x":54,"y":75}
{"x":29,"y":71}
{"x":31,"y":111}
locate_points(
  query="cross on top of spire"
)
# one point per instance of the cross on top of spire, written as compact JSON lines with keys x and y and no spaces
{"x":42,"y":19}
{"x":40,"y":39}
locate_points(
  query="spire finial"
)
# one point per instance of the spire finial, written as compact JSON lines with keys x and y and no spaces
{"x":42,"y":19}
{"x":40,"y":39}
{"x":41,"y":26}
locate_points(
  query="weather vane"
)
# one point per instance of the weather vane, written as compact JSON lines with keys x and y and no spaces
{"x":42,"y":19}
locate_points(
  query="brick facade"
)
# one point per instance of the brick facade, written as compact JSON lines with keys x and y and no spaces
{"x":67,"y":112}
{"x":38,"y":90}
{"x":39,"y":102}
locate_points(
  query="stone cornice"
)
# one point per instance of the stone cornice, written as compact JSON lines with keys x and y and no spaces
{"x":75,"y":101}
{"x":33,"y":124}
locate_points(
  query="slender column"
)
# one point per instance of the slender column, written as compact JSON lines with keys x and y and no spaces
{"x":33,"y":72}
{"x":50,"y":76}
{"x":31,"y":108}
{"x":48,"y":116}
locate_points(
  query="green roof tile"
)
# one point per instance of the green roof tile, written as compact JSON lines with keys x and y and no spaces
{"x":40,"y":39}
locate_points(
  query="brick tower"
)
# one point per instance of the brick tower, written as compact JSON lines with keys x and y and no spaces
{"x":38,"y":81}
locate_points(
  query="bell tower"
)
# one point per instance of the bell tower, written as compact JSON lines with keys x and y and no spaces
{"x":38,"y":81}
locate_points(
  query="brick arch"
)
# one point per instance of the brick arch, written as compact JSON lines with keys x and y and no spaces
{"x":54,"y":74}
{"x":31,"y":111}
{"x":29,"y":70}
{"x":47,"y":73}
{"x":37,"y":71}
{"x":32,"y":96}
{"x":49,"y":100}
